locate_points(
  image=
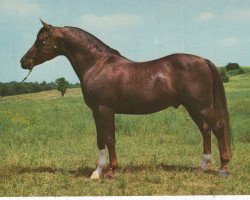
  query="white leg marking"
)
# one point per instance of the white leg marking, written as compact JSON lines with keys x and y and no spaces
{"x":204,"y":163}
{"x":101,"y":165}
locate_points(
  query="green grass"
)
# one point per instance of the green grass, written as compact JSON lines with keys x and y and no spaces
{"x":48,"y":148}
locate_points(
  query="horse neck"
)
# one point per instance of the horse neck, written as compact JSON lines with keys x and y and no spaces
{"x":80,"y":57}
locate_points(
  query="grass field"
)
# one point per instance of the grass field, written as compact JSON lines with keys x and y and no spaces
{"x":48,"y":148}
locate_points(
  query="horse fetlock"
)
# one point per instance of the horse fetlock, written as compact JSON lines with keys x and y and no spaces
{"x":205,"y":162}
{"x":102,"y":165}
{"x":224,"y":167}
{"x":102,"y":158}
{"x":224,"y":162}
{"x":113,"y":167}
{"x":108,"y":174}
{"x":205,"y":165}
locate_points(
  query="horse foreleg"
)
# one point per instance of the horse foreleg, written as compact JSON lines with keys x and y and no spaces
{"x":105,"y":127}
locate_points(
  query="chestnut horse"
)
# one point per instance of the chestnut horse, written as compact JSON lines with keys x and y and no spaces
{"x":113,"y":84}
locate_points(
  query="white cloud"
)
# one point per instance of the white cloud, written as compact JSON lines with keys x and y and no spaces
{"x":206,"y":16}
{"x":227,"y":42}
{"x":109,"y":21}
{"x":236,"y":14}
{"x":18,"y":8}
{"x":239,"y":14}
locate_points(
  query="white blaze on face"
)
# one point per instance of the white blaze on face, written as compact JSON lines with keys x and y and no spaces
{"x":205,"y":161}
{"x":101,"y":165}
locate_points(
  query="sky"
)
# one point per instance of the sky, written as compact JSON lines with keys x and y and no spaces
{"x":140,"y":30}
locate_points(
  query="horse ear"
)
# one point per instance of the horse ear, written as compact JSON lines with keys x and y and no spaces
{"x":45,"y":25}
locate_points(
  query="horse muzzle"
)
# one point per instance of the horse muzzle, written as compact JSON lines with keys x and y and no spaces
{"x":27,"y":63}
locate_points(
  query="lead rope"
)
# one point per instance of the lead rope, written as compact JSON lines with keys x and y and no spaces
{"x":26,"y":76}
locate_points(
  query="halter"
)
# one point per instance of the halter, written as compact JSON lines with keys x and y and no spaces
{"x":49,"y":34}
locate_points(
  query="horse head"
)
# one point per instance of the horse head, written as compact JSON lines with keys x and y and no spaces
{"x":44,"y":48}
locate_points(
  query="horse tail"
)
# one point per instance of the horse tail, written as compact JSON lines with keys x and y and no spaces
{"x":220,"y":106}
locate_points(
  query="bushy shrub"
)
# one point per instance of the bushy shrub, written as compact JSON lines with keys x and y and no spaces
{"x":223,"y":71}
{"x":233,"y":69}
{"x":225,"y":79}
{"x":232,"y":72}
{"x":224,"y":76}
{"x":241,"y":71}
{"x":232,"y":66}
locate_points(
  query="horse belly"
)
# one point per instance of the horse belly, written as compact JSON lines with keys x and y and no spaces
{"x":140,"y":109}
{"x":146,"y":104}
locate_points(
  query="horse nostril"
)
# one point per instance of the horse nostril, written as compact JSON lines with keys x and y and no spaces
{"x":27,"y":63}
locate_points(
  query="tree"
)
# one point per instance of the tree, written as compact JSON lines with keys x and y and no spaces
{"x":232,"y":66}
{"x":62,"y":85}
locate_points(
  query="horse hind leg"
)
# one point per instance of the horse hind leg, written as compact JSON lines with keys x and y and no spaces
{"x":206,"y":123}
{"x":206,"y":135}
{"x":198,"y":118}
{"x":224,"y":156}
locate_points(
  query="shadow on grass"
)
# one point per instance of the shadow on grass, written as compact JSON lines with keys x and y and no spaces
{"x":169,"y":168}
{"x":87,"y":171}
{"x":182,"y":168}
{"x":82,"y":172}
{"x":79,"y":172}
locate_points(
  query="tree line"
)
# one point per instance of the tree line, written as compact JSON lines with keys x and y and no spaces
{"x":15,"y":88}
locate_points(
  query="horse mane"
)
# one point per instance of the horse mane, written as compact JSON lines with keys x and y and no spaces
{"x":91,"y":42}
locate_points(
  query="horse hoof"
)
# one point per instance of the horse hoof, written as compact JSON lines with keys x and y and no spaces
{"x":223,"y":173}
{"x":95,"y":175}
{"x":109,"y":174}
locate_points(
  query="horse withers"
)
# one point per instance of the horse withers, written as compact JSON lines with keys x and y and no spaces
{"x":113,"y":84}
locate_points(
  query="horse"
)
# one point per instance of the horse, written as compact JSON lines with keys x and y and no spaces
{"x":112,"y":84}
